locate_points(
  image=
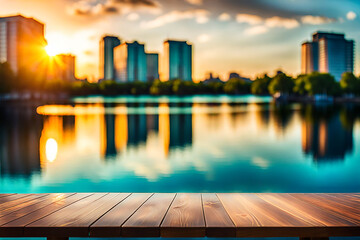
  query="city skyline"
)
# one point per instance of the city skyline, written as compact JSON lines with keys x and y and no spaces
{"x":249,"y":38}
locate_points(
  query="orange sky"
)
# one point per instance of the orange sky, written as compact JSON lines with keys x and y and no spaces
{"x":250,"y":39}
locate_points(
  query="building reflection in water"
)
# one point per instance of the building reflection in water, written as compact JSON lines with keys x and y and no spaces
{"x":30,"y":143}
{"x":325,"y":136}
{"x":20,"y":132}
{"x":132,"y":130}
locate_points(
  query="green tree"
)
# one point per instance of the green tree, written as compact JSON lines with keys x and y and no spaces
{"x":300,"y":83}
{"x":161,"y":88}
{"x":261,"y":85}
{"x":321,"y":83}
{"x":138,"y":88}
{"x":109,"y":87}
{"x":350,"y":84}
{"x":180,"y":87}
{"x":282,"y":84}
{"x":84,"y":88}
{"x":236,"y":86}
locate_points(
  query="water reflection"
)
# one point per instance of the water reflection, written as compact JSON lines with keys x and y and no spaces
{"x":327,"y":132}
{"x":20,"y":131}
{"x":160,"y":141}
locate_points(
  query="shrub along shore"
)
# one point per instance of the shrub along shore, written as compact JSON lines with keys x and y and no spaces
{"x":303,"y":87}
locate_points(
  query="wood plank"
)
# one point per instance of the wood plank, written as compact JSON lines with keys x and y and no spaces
{"x":325,"y":223}
{"x":217,"y":221}
{"x":6,"y":194}
{"x":254,"y":217}
{"x":109,"y":225}
{"x":35,"y":205}
{"x":343,"y":211}
{"x":315,"y":216}
{"x":75,"y":219}
{"x":22,"y":203}
{"x":7,"y":200}
{"x":145,"y":222}
{"x":308,"y":212}
{"x":16,"y":228}
{"x":185,"y":217}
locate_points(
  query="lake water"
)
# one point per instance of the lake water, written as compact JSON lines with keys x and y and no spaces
{"x":190,"y":144}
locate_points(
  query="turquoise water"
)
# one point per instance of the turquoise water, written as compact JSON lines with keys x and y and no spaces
{"x":189,"y":144}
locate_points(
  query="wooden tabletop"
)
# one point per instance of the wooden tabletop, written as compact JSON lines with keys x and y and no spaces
{"x":179,"y":215}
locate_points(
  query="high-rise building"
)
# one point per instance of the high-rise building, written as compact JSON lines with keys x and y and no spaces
{"x":328,"y":53}
{"x":130,"y":62}
{"x":107,"y":45}
{"x":177,"y":61}
{"x":64,"y":67}
{"x":22,"y":42}
{"x":152,"y":60}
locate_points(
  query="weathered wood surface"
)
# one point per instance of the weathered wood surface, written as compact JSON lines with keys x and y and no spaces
{"x":179,"y":215}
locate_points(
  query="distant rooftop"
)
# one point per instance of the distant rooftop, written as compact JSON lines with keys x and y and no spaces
{"x":19,"y":16}
{"x":175,"y":41}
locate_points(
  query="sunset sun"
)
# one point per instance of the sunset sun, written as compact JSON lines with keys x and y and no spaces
{"x":52,"y":50}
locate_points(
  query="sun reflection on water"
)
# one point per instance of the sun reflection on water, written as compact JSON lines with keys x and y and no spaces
{"x":51,"y":149}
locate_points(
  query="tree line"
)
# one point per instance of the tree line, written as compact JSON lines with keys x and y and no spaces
{"x":283,"y":84}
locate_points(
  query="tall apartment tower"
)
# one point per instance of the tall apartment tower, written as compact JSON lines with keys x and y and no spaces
{"x":177,"y":61}
{"x":130,"y":62}
{"x":107,"y":69}
{"x":152,"y":60}
{"x":328,"y":53}
{"x":22,"y":42}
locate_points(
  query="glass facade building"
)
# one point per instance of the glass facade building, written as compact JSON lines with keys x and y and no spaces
{"x":107,"y":69}
{"x":152,"y":66}
{"x":130,"y":62}
{"x":328,"y":53}
{"x":177,"y":61}
{"x":22,"y":42}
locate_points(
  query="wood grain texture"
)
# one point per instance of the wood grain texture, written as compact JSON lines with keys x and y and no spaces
{"x":75,"y":219}
{"x":308,"y":212}
{"x":16,"y":201}
{"x":315,"y":216}
{"x":261,"y":214}
{"x":185,"y":217}
{"x":16,"y":227}
{"x":343,"y":211}
{"x":109,"y":224}
{"x":145,"y":222}
{"x":217,"y":221}
{"x":32,"y":206}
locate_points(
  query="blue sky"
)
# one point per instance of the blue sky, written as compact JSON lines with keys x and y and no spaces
{"x":249,"y":37}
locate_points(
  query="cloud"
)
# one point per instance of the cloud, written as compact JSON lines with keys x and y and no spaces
{"x":256,"y":30}
{"x":249,"y":18}
{"x":201,"y":16}
{"x":203,"y":38}
{"x":133,"y":17}
{"x":316,"y":20}
{"x":137,"y":3}
{"x":351,"y":15}
{"x":104,"y":7}
{"x":281,"y":22}
{"x":224,"y":17}
{"x":195,"y":2}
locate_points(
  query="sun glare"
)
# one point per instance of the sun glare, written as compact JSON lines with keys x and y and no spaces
{"x":52,"y":50}
{"x":51,"y":149}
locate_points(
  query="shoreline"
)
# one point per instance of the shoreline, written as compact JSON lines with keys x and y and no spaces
{"x":67,"y":98}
